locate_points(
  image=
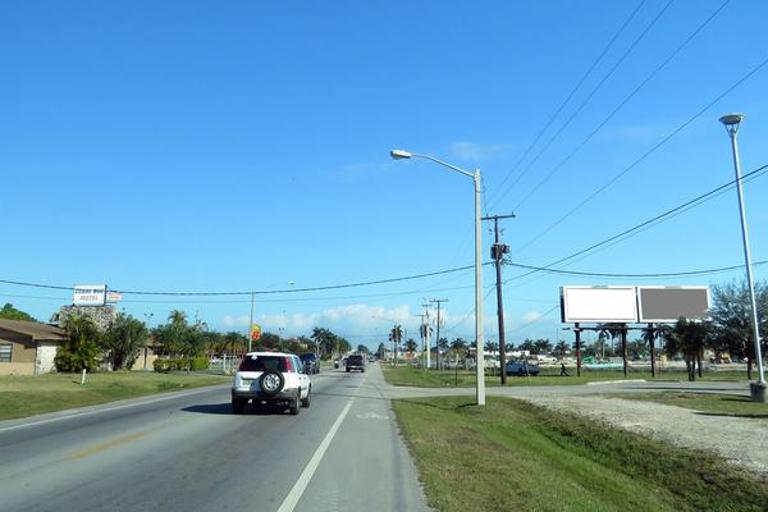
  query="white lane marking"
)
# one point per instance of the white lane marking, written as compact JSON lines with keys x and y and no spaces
{"x":301,"y":484}
{"x":105,"y":409}
{"x":370,"y":415}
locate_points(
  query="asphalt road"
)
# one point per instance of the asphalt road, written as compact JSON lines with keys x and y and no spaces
{"x":188,"y":452}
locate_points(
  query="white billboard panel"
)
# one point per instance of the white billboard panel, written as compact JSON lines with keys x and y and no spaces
{"x":89,"y":295}
{"x":666,"y":304}
{"x":599,"y":304}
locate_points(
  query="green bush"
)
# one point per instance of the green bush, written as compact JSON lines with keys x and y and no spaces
{"x":162,"y":365}
{"x":199,"y":363}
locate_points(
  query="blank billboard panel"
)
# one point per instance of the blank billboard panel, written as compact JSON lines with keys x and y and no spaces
{"x":603,"y":304}
{"x":667,"y":304}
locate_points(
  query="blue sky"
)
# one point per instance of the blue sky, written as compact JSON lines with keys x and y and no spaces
{"x":201,"y":146}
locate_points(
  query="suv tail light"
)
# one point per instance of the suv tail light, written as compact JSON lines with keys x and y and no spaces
{"x":289,"y":365}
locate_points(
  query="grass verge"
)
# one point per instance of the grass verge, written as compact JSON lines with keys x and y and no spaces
{"x":27,"y":395}
{"x":411,"y":376}
{"x":511,"y":455}
{"x":715,"y":404}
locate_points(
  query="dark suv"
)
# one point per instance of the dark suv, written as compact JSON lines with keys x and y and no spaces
{"x":311,"y":362}
{"x":356,"y":363}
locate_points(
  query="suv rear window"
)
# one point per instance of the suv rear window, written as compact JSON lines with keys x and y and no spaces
{"x":263,"y":364}
{"x":355,"y":360}
{"x":308,"y":357}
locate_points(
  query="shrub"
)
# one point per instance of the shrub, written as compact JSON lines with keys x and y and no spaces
{"x":199,"y":363}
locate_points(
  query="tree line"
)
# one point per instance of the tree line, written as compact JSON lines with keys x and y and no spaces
{"x":192,"y":343}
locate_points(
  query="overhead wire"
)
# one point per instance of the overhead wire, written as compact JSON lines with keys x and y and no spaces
{"x":589,"y":97}
{"x":621,"y":105}
{"x":535,"y":320}
{"x":255,"y":292}
{"x":654,"y":220}
{"x":645,"y":155}
{"x":569,"y":96}
{"x":687,"y":273}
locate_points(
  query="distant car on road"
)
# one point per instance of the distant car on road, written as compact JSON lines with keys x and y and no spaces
{"x":355,"y":362}
{"x":311,"y":362}
{"x":271,"y":378}
{"x":521,"y":368}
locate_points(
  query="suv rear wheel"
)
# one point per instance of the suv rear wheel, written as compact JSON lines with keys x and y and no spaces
{"x":296,"y":404}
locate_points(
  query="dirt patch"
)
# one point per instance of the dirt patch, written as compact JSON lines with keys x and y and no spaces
{"x":740,"y":441}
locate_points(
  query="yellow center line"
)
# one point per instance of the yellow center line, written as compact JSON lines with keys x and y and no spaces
{"x":107,"y":445}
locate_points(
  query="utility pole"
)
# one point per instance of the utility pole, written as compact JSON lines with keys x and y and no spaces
{"x":437,"y":344}
{"x":498,"y":250}
{"x":250,"y":324}
{"x":425,"y":330}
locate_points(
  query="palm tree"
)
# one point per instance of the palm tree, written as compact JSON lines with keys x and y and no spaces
{"x":236,"y":342}
{"x":177,"y":317}
{"x":459,"y":349}
{"x":411,"y":346}
{"x":688,"y":338}
{"x":396,"y":337}
{"x":620,"y":330}
{"x":561,"y":349}
{"x":458,"y":345}
{"x":491,"y":346}
{"x":543,"y":345}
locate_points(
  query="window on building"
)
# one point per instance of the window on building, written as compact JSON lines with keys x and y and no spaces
{"x":6,"y":352}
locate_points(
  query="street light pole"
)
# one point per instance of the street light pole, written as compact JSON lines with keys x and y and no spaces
{"x":398,"y":154}
{"x":732,"y":122}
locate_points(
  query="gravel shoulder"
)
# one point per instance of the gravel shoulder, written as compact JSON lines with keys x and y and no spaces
{"x":740,"y":441}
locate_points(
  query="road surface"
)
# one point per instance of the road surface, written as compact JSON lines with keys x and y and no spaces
{"x":187,"y":452}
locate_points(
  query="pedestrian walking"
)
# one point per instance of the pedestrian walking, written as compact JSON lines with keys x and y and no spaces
{"x":563,"y":371}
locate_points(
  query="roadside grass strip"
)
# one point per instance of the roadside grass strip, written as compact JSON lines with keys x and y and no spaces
{"x":417,"y":377}
{"x":511,"y":455}
{"x":706,"y":403}
{"x":22,"y":396}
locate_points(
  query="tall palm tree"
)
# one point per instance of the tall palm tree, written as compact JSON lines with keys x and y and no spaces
{"x":689,"y":338}
{"x":561,"y":348}
{"x":177,"y":317}
{"x":396,"y":337}
{"x":615,"y":330}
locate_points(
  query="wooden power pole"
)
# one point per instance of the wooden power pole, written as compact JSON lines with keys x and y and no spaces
{"x":437,"y":345}
{"x":498,"y":250}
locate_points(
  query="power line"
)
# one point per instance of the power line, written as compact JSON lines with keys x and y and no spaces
{"x":621,"y":105}
{"x":635,"y":276}
{"x":255,"y":292}
{"x":569,"y":96}
{"x":656,"y":219}
{"x":536,"y":320}
{"x":645,"y":155}
{"x":589,"y":97}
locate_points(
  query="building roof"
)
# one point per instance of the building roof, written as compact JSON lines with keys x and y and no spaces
{"x":38,"y":331}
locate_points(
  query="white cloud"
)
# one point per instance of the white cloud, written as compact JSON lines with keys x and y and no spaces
{"x":472,"y":151}
{"x":531,"y":316}
{"x":351,"y":318}
{"x":235,"y":320}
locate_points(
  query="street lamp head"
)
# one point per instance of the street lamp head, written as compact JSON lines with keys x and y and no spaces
{"x":399,"y":154}
{"x":732,"y":121}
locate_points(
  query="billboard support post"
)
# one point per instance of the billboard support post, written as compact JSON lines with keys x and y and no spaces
{"x":652,"y":341}
{"x":577,"y":330}
{"x":624,"y":347}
